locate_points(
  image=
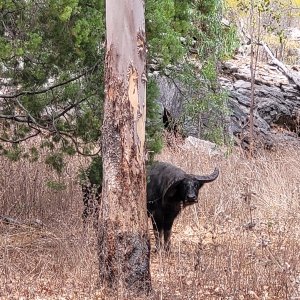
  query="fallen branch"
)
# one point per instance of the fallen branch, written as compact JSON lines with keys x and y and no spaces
{"x":12,"y":221}
{"x":288,"y":73}
{"x":9,"y":221}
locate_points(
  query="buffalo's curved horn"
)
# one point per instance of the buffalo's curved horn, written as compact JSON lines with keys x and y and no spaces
{"x":209,"y":178}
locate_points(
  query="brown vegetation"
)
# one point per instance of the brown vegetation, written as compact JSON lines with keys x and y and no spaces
{"x":240,"y":242}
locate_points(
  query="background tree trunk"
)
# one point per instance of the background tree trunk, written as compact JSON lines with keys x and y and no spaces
{"x":123,"y":234}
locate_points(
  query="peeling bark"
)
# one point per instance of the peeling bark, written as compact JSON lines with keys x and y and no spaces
{"x":123,"y":234}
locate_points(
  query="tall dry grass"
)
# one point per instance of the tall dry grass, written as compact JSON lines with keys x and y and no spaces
{"x":53,"y":259}
{"x":240,"y":242}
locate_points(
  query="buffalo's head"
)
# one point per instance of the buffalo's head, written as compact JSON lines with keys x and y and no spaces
{"x":187,"y":188}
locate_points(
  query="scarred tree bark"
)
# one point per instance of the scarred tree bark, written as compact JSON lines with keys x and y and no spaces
{"x":123,"y":239}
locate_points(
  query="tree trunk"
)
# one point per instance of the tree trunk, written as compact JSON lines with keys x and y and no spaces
{"x":124,"y":246}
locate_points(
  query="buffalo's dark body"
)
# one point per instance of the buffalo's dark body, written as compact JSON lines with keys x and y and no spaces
{"x":169,"y":189}
{"x":91,"y":202}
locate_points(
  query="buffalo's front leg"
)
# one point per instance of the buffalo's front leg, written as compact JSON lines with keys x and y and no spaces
{"x":167,"y":240}
{"x":158,"y":238}
{"x":158,"y":232}
{"x":167,"y":234}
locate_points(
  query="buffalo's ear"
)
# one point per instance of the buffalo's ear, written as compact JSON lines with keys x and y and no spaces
{"x":208,"y":178}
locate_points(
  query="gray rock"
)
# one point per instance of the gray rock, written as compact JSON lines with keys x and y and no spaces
{"x":212,"y":149}
{"x":277,"y":102}
{"x":171,"y":95}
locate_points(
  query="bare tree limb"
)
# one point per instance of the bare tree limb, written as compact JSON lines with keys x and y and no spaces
{"x":175,"y":84}
{"x":77,"y":146}
{"x":27,"y":112}
{"x":50,"y":88}
{"x":72,"y":106}
{"x":20,"y":140}
{"x":288,"y":73}
{"x":253,"y":66}
{"x":28,"y":118}
{"x":19,"y":118}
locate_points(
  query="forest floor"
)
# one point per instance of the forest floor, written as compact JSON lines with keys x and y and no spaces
{"x":241,"y":241}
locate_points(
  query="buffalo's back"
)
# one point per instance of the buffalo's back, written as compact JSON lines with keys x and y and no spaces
{"x":160,"y":177}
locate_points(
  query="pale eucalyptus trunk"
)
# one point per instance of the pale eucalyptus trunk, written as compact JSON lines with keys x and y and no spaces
{"x":124,"y":247}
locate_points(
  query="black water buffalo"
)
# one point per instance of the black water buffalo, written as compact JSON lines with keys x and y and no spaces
{"x":91,"y":202}
{"x":169,"y":189}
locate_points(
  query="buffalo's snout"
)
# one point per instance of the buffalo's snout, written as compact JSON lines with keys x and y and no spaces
{"x":191,"y":198}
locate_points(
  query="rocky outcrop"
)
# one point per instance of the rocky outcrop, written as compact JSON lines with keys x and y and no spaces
{"x":277,"y":102}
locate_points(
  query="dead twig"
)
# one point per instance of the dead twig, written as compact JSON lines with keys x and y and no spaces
{"x":12,"y":221}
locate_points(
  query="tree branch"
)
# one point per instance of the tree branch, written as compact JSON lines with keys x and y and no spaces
{"x":28,"y":114}
{"x":15,"y":118}
{"x":29,"y":119}
{"x":50,"y":88}
{"x":175,"y":84}
{"x":22,"y":139}
{"x":76,"y":145}
{"x":72,"y":106}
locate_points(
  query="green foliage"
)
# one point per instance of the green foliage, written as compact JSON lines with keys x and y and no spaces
{"x":46,"y":144}
{"x":181,"y":33}
{"x":214,"y":40}
{"x":52,"y":53}
{"x":42,"y":48}
{"x":14,"y":153}
{"x":270,"y":22}
{"x":56,"y":186}
{"x":67,"y":148}
{"x":214,"y":105}
{"x":154,"y":125}
{"x":56,"y":161}
{"x":88,"y":125}
{"x":95,"y":173}
{"x":51,"y":43}
{"x":32,"y":154}
{"x":166,"y":22}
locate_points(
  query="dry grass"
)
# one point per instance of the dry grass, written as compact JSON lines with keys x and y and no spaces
{"x":57,"y":259}
{"x":241,"y":241}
